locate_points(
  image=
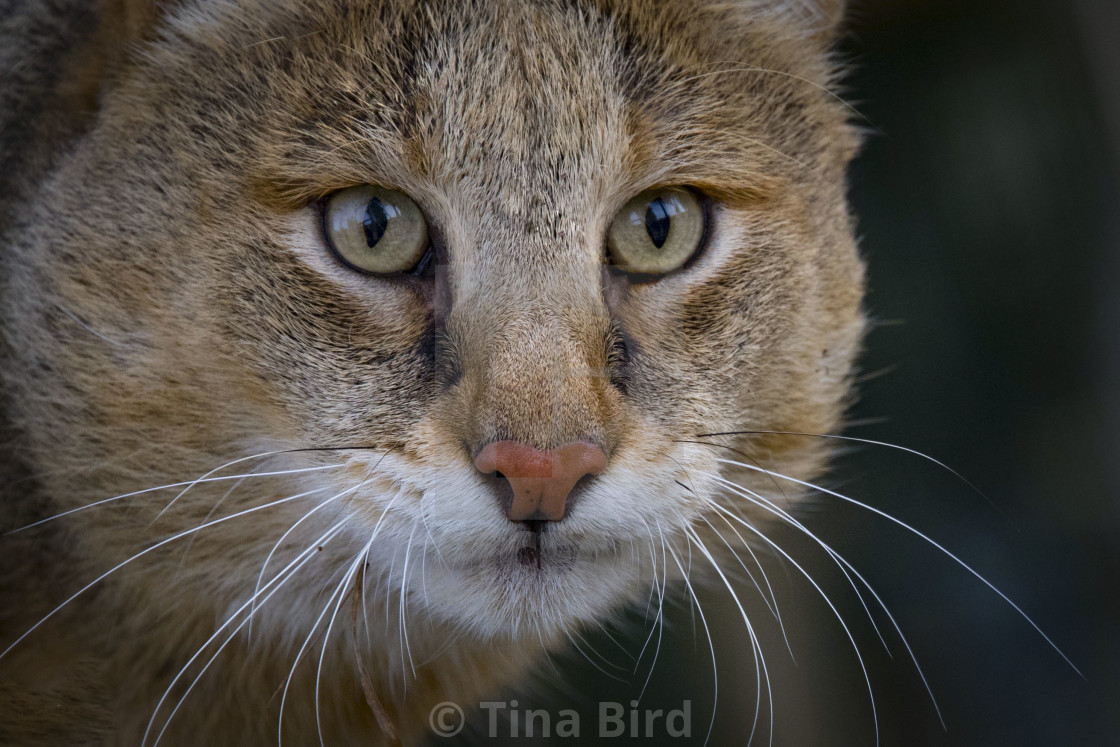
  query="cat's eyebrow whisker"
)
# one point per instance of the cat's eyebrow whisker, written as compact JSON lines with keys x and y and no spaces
{"x":760,"y":669}
{"x":187,"y":483}
{"x":142,"y":553}
{"x":279,"y":579}
{"x":927,"y":539}
{"x":711,"y":645}
{"x":845,"y":567}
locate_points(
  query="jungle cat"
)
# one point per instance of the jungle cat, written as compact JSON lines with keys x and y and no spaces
{"x":357,"y":353}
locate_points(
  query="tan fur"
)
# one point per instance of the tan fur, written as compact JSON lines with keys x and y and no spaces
{"x":169,"y":306}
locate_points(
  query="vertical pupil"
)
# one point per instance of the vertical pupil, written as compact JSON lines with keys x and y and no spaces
{"x":657,"y":222}
{"x":375,"y":222}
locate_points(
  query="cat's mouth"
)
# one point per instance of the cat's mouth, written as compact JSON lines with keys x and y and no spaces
{"x":537,"y":554}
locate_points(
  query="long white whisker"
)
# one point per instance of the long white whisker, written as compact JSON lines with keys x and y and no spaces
{"x":373,"y":533}
{"x":595,"y":651}
{"x":711,"y":646}
{"x":279,"y":579}
{"x":144,"y":552}
{"x":188,"y":483}
{"x":653,"y":589}
{"x":338,"y":591}
{"x":843,"y":562}
{"x":210,"y":515}
{"x":853,"y":439}
{"x":321,"y":505}
{"x":405,"y":648}
{"x":773,"y":508}
{"x":349,"y":580}
{"x":659,"y":620}
{"x":773,"y":597}
{"x":262,"y":474}
{"x":760,"y":668}
{"x":591,"y":661}
{"x":835,"y":612}
{"x":928,"y":539}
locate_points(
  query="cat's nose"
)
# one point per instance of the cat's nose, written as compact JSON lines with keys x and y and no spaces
{"x":541,"y":480}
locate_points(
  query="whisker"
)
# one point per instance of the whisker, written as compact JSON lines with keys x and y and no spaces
{"x":134,"y":493}
{"x":338,"y":591}
{"x":773,"y":598}
{"x":711,"y":646}
{"x":260,"y":474}
{"x":773,"y":508}
{"x":373,"y":533}
{"x":659,"y":620}
{"x":210,"y":514}
{"x":591,"y":661}
{"x":850,"y":439}
{"x":759,"y":500}
{"x":280,"y":579}
{"x":292,"y":528}
{"x":144,"y":552}
{"x":928,"y":539}
{"x":595,"y":651}
{"x":349,"y":578}
{"x":828,"y":601}
{"x":401,"y":619}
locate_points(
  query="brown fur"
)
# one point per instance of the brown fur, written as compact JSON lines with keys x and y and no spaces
{"x":168,"y":306}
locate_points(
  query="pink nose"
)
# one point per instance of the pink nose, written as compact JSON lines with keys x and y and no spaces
{"x":541,"y":480}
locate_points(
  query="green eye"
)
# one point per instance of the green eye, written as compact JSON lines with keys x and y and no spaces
{"x":376,"y":230}
{"x":656,"y":232}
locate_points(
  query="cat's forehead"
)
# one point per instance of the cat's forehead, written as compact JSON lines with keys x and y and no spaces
{"x":515,"y":101}
{"x":508,"y":101}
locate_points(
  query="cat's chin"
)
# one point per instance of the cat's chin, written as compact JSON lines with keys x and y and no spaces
{"x":530,"y":593}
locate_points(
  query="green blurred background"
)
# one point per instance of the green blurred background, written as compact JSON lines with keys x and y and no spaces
{"x":988,"y":198}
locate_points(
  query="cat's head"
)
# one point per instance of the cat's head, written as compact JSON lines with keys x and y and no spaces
{"x":445,"y":242}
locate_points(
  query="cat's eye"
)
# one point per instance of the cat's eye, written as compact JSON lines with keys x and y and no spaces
{"x":657,"y":231}
{"x":376,"y":230}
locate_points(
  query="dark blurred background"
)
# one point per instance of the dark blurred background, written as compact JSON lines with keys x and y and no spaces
{"x":988,"y":198}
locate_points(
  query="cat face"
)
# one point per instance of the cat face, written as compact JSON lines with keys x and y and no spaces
{"x":180,"y":262}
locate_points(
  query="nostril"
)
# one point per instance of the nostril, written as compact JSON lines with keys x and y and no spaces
{"x":540,"y":480}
